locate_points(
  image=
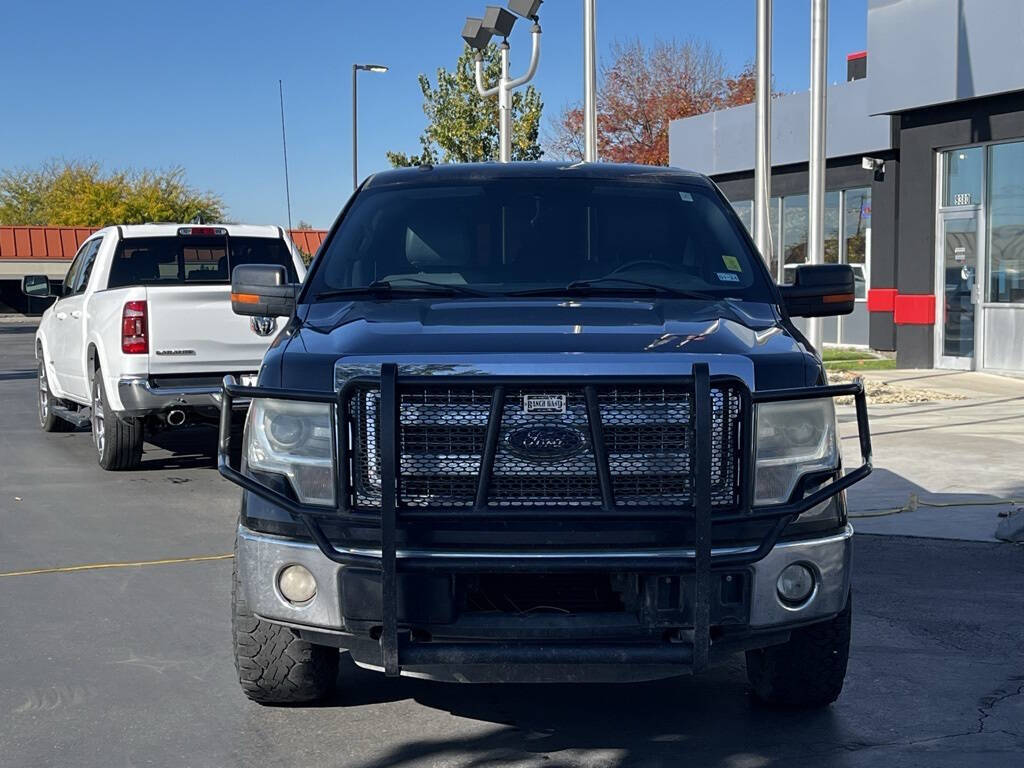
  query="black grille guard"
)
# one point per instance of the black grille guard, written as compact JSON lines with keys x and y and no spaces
{"x":698,"y":561}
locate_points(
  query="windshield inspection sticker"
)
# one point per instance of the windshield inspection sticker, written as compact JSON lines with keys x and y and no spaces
{"x":731,"y":262}
{"x":728,"y":277}
{"x":686,"y":197}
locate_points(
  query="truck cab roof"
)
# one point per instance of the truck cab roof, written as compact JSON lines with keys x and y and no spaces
{"x":170,"y":229}
{"x":468,"y":172}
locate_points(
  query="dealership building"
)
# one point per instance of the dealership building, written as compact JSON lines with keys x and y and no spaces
{"x":924,"y":180}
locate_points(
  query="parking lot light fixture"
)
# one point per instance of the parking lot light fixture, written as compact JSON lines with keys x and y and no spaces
{"x":526,"y":8}
{"x":475,"y":35}
{"x":356,"y":68}
{"x":498,"y":21}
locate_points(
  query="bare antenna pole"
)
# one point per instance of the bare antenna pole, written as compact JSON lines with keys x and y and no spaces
{"x":284,"y":146}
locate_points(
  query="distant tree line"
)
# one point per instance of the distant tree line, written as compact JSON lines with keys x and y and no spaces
{"x":82,"y":194}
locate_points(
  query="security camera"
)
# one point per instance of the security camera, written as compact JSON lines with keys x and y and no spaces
{"x":875,"y":164}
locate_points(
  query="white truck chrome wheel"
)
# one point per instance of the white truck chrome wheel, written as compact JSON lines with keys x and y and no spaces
{"x":98,"y":436}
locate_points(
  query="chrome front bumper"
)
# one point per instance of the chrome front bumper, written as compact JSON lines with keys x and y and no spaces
{"x":261,"y":557}
{"x":140,"y":397}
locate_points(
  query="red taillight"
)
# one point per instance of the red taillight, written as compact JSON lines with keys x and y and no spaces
{"x":134,"y":339}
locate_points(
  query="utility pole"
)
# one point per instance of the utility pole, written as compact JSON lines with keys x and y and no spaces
{"x":816,"y":160}
{"x":762,"y":131}
{"x":590,"y":81}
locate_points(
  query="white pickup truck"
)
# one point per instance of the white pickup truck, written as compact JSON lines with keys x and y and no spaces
{"x":142,"y":332}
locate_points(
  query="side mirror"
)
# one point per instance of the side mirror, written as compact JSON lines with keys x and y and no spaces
{"x":36,"y":286}
{"x":262,"y":290}
{"x":820,"y":290}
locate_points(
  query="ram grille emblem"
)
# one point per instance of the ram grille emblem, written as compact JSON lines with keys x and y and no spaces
{"x":263,"y":326}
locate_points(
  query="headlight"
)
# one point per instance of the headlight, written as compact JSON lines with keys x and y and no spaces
{"x":296,"y":440}
{"x":793,"y":438}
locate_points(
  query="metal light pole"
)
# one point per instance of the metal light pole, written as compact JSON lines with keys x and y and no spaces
{"x":590,"y":81}
{"x":355,"y":115}
{"x":762,"y":130}
{"x":816,"y":164}
{"x":504,"y":90}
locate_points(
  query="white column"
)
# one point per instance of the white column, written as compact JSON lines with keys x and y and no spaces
{"x":816,"y":163}
{"x":504,"y":110}
{"x":762,"y":130}
{"x":590,"y":81}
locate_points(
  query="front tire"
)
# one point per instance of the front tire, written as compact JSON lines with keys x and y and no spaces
{"x":49,"y":421}
{"x":808,"y":670}
{"x":274,"y":666}
{"x":118,"y":440}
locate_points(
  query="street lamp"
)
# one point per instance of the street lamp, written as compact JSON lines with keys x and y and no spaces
{"x":478,"y":33}
{"x":378,"y":68}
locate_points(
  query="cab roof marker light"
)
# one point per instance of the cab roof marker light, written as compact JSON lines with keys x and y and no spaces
{"x":202,"y":232}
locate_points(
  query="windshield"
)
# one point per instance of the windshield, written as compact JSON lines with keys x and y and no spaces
{"x":174,"y":260}
{"x":522,"y":236}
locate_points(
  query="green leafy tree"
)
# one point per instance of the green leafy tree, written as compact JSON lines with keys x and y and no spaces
{"x":77,"y":194}
{"x":462,"y":125}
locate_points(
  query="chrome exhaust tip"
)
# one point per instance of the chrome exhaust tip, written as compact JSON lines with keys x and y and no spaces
{"x":176,"y":417}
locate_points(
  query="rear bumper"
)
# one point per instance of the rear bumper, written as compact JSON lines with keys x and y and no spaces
{"x":139,"y":396}
{"x":261,"y":557}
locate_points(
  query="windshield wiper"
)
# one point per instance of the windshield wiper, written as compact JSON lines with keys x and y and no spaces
{"x":591,"y":286}
{"x":388,"y":288}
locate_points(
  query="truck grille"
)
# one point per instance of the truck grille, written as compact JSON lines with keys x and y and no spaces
{"x":648,"y":435}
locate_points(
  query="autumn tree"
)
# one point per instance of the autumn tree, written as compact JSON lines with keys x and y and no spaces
{"x":67,"y":193}
{"x":462,"y":125}
{"x":642,"y":90}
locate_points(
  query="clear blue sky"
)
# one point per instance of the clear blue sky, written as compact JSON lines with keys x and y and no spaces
{"x":156,"y":84}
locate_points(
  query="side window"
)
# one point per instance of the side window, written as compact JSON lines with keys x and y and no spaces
{"x":82,"y":278}
{"x":71,"y":277}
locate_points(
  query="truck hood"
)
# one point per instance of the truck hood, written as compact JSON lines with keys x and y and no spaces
{"x":590,"y":335}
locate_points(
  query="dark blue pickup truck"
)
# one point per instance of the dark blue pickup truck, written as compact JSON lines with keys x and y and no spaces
{"x":541,"y":422}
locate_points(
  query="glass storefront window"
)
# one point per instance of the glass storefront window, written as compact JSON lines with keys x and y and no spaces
{"x":773,"y":229}
{"x":745,"y":210}
{"x":831,"y":227}
{"x":795,"y":229}
{"x":794,"y":235}
{"x":962,"y":176}
{"x":1006,"y":223}
{"x":856,"y":234}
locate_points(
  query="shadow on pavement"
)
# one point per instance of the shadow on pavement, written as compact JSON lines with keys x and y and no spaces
{"x":187,"y":447}
{"x":708,"y":720}
{"x":16,"y":328}
{"x":17,"y":375}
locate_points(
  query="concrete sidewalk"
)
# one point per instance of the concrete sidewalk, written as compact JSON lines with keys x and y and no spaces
{"x":943,"y":469}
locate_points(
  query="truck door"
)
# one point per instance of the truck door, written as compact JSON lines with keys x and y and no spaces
{"x":69,"y":325}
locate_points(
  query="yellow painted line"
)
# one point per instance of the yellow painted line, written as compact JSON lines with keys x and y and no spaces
{"x":100,"y":566}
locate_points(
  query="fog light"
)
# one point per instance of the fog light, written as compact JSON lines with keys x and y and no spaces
{"x":795,"y":583}
{"x":296,"y":584}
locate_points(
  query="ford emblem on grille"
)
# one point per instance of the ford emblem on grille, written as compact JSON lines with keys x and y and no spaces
{"x":545,"y":442}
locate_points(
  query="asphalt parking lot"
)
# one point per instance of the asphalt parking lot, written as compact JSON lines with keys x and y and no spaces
{"x":131,"y":665}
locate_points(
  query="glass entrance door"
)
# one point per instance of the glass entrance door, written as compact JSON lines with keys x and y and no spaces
{"x":961,"y":289}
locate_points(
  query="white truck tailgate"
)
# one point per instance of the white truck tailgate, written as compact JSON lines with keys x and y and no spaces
{"x":193,"y":330}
